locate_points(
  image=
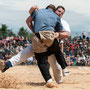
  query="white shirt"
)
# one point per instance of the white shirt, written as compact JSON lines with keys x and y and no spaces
{"x":65,"y":25}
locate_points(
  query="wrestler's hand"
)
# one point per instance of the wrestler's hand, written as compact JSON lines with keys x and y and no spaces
{"x":56,"y":35}
{"x":33,"y":8}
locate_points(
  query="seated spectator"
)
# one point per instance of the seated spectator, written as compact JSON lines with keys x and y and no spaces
{"x":78,"y":60}
{"x":84,"y":34}
{"x":82,"y":60}
{"x":67,"y":58}
{"x":88,"y":60}
{"x":6,"y":57}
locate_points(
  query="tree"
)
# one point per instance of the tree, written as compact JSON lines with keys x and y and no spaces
{"x":23,"y":32}
{"x":10,"y":33}
{"x":3,"y":31}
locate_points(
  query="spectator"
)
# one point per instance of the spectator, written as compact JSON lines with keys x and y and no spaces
{"x":84,"y":34}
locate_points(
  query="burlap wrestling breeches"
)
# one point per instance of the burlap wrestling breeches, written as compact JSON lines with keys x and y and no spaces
{"x":40,"y":44}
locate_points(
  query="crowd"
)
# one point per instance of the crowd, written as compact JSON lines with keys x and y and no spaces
{"x":76,"y":50}
{"x":12,"y":45}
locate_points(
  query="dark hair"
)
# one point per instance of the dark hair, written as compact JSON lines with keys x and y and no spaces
{"x":51,"y":6}
{"x":61,"y":7}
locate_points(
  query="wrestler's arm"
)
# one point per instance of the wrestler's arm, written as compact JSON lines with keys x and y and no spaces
{"x":29,"y":23}
{"x":29,"y":19}
{"x":64,"y":34}
{"x":33,"y":8}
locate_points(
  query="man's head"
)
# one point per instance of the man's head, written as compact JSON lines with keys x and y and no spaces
{"x":51,"y":6}
{"x":60,"y":11}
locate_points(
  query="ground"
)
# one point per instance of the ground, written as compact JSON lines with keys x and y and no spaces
{"x":30,"y":78}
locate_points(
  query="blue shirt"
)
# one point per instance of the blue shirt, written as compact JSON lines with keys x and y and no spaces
{"x":46,"y":19}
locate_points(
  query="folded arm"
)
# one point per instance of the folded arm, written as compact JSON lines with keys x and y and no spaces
{"x":29,"y":23}
{"x":29,"y":19}
{"x":33,"y":8}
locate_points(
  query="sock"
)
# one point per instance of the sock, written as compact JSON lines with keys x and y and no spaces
{"x":50,"y":80}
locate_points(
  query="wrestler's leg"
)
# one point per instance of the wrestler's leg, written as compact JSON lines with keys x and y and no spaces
{"x":56,"y":68}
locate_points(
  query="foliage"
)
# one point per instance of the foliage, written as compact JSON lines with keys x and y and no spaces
{"x":4,"y":32}
{"x":23,"y":32}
